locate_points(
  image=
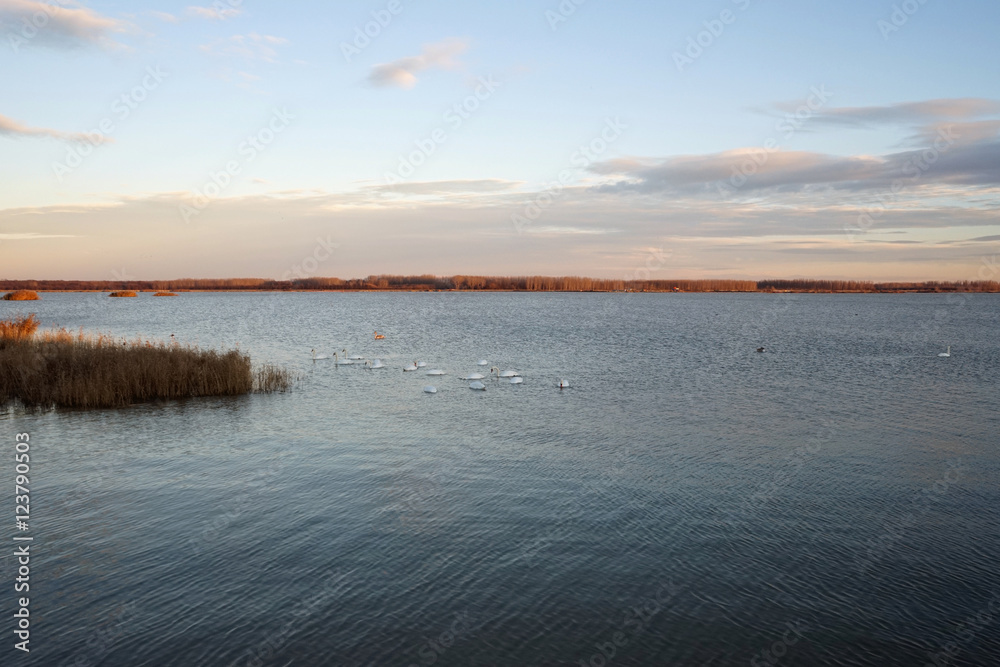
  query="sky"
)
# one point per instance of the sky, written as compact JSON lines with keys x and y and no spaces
{"x":724,"y":139}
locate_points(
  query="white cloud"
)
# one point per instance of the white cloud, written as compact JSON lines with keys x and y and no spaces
{"x":213,"y":13}
{"x":250,"y":47}
{"x":12,"y":128}
{"x":60,"y":27}
{"x":402,"y":72}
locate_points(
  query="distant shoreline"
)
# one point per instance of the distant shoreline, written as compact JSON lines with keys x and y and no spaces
{"x":463,"y":283}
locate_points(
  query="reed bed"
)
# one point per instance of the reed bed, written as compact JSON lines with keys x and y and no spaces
{"x":21,"y":295}
{"x":164,"y":294}
{"x":124,"y":293}
{"x":78,"y":370}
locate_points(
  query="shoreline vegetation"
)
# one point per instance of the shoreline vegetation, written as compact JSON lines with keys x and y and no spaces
{"x":21,"y":295}
{"x":429,"y":283}
{"x":77,"y":370}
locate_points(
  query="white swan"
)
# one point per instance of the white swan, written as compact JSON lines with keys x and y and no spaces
{"x":341,"y":362}
{"x":504,"y":374}
{"x":376,"y":364}
{"x":435,"y":372}
{"x":354,"y":357}
{"x":564,"y":384}
{"x":430,"y":390}
{"x":945,"y":354}
{"x":477,"y":385}
{"x":317,"y":357}
{"x":473,"y":376}
{"x":516,"y":380}
{"x":420,"y":364}
{"x":411,"y":367}
{"x":482,"y":362}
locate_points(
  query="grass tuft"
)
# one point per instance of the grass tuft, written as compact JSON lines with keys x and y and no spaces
{"x":21,"y":295}
{"x":77,"y":370}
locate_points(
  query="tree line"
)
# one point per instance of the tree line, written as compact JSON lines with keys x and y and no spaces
{"x":426,"y":283}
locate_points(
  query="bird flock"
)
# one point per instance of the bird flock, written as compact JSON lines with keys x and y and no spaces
{"x":475,"y":380}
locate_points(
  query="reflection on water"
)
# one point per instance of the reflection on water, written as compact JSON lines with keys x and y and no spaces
{"x":687,"y":501}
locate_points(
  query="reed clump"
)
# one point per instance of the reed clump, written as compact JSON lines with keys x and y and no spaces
{"x":78,"y":370}
{"x":164,"y":294}
{"x":21,"y":295}
{"x":124,"y":293}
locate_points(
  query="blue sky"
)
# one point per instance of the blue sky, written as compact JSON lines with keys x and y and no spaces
{"x":838,"y":190}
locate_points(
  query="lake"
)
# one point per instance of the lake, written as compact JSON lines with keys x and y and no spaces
{"x":687,"y":501}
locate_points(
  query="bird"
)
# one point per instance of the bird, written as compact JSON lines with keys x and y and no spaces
{"x":482,"y":362}
{"x":516,"y":380}
{"x":317,"y":357}
{"x":420,"y":364}
{"x":379,"y":336}
{"x":411,"y":367}
{"x":473,"y":376}
{"x":435,"y":372}
{"x":341,"y":362}
{"x":430,"y":390}
{"x":477,"y":385}
{"x":504,"y":374}
{"x":376,"y":364}
{"x":945,"y":354}
{"x":564,"y":384}
{"x":760,"y":349}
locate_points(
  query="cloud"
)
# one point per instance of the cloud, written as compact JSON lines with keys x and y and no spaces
{"x":972,"y":163}
{"x":402,"y":72}
{"x":449,"y":187}
{"x":213,"y":13}
{"x":165,"y":17}
{"x":906,"y":112}
{"x":12,"y":128}
{"x":250,"y":47}
{"x":60,"y":27}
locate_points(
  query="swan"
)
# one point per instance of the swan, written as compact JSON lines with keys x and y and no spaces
{"x":482,"y":362}
{"x":473,"y":376}
{"x":516,"y":380}
{"x":411,"y":367}
{"x":945,"y":354}
{"x":317,"y":357}
{"x":420,"y":364}
{"x":352,"y":357}
{"x":379,"y":336}
{"x":477,"y":385}
{"x":430,"y":390}
{"x":504,"y":374}
{"x":376,"y":364}
{"x":564,"y":384}
{"x":435,"y":372}
{"x":341,"y":362}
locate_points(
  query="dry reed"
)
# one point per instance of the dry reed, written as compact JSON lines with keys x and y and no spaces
{"x":164,"y":294}
{"x":21,"y":295}
{"x":77,"y":370}
{"x":123,"y":293}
